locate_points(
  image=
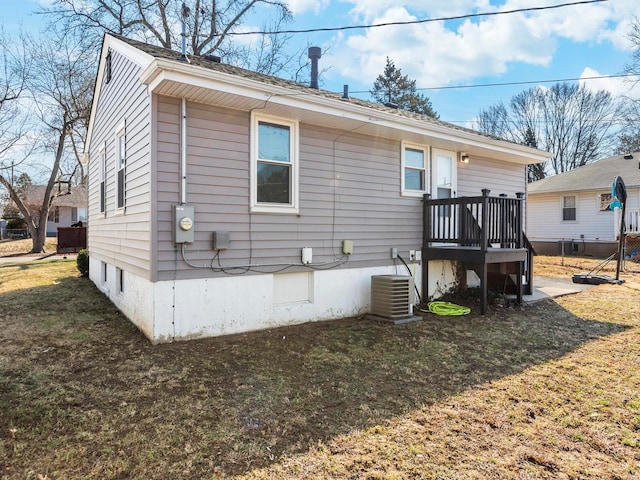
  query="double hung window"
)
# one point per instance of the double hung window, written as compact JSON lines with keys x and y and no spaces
{"x":121,"y":160}
{"x":415,"y":171}
{"x":274,"y":165}
{"x":568,"y":208}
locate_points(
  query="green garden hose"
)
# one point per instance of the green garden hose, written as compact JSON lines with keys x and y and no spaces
{"x":446,"y":308}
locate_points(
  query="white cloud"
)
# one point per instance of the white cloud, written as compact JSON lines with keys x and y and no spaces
{"x":435,"y":55}
{"x":617,"y":86}
{"x":369,"y":9}
{"x":438,"y":53}
{"x":301,"y":6}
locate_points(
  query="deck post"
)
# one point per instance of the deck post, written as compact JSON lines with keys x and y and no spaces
{"x":426,"y":229}
{"x":520,"y":244}
{"x":483,"y":248}
{"x":484,"y":225}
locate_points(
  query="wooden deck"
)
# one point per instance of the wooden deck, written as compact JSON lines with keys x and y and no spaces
{"x":478,"y":231}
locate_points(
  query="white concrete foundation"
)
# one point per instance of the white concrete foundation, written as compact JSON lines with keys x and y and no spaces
{"x":184,"y":309}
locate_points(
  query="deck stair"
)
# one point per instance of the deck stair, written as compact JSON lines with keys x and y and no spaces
{"x":486,"y":235}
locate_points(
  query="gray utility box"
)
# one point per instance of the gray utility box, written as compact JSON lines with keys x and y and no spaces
{"x":183,"y":224}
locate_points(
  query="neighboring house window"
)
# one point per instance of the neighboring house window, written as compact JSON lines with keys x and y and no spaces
{"x":103,"y":176}
{"x":121,"y":160}
{"x":274,"y":165}
{"x":54,"y":215}
{"x":605,"y":201}
{"x":415,"y":161}
{"x":78,"y":214}
{"x":568,"y":208}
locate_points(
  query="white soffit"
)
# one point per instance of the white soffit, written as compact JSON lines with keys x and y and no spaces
{"x":202,"y":85}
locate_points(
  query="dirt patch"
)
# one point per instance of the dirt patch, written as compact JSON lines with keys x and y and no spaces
{"x":548,"y":390}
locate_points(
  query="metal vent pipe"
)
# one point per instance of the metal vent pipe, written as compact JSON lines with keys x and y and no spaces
{"x":314,"y":55}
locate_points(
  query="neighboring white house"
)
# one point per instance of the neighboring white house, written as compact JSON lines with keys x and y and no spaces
{"x":222,"y":200}
{"x":573,"y":210}
{"x":68,"y":209}
{"x":69,"y":206}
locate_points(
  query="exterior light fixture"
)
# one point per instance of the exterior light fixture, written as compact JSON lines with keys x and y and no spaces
{"x":464,"y":157}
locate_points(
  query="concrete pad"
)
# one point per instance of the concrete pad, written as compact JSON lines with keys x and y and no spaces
{"x":551,"y":287}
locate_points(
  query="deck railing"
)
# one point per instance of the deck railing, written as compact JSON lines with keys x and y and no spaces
{"x":631,"y":221}
{"x":482,"y":221}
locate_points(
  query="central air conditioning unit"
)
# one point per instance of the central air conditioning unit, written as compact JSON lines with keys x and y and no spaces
{"x":392,"y":297}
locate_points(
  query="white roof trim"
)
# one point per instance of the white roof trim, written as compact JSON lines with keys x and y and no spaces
{"x":160,"y":70}
{"x":135,"y":55}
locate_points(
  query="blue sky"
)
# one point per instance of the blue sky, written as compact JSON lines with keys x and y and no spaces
{"x":568,"y":42}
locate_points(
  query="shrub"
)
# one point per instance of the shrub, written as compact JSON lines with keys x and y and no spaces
{"x":16,"y":223}
{"x":83,"y":262}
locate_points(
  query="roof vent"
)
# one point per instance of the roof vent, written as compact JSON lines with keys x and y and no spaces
{"x":345,"y":92}
{"x":391,"y":105}
{"x":213,"y":58}
{"x":314,"y":54}
{"x":628,"y":156}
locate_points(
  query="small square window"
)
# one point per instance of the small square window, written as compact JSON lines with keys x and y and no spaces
{"x":414,"y":175}
{"x":606,"y":202}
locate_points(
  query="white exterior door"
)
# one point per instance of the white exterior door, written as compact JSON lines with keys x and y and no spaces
{"x":444,"y":175}
{"x":444,"y":185}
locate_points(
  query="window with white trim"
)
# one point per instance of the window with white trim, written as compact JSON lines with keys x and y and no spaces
{"x":78,"y":214}
{"x":121,"y":160}
{"x":568,"y":208}
{"x":415,"y":171}
{"x":54,"y":214}
{"x":274,"y":165}
{"x":606,"y":202}
{"x":103,"y":176}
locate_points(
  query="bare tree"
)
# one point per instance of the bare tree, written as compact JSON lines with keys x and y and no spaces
{"x":629,"y":137}
{"x":570,"y":121}
{"x":14,"y":71}
{"x":61,"y":91}
{"x":210,"y":26}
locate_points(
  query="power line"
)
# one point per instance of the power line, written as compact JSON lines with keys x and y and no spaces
{"x":415,"y":22}
{"x":524,"y":82}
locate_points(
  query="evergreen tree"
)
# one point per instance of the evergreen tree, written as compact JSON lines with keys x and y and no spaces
{"x":536,"y":170}
{"x":394,"y":88}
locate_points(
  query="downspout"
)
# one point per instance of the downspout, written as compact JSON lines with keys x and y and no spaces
{"x":183,"y":152}
{"x":426,"y":231}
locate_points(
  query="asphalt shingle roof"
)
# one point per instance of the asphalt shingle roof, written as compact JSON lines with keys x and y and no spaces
{"x":77,"y":197}
{"x":594,"y":176}
{"x":204,"y":62}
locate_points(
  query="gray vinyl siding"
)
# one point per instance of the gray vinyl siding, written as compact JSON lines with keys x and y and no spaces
{"x":122,"y":238}
{"x":349,"y":190}
{"x":499,"y":177}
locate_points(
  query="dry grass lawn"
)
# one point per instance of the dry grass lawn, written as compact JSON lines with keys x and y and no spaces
{"x":548,"y":390}
{"x":22,"y":247}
